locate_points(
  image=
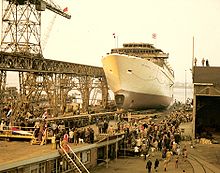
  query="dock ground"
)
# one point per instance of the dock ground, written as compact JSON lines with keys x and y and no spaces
{"x":138,"y":165}
{"x":201,"y":158}
{"x":204,"y":158}
{"x":206,"y":154}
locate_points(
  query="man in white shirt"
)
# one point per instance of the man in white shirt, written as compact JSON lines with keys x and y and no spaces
{"x":136,"y":150}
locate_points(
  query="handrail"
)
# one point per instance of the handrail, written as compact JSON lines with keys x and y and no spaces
{"x":78,"y":159}
{"x":104,"y":135}
{"x":70,"y":159}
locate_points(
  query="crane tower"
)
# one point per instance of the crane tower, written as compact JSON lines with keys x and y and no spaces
{"x":21,"y":24}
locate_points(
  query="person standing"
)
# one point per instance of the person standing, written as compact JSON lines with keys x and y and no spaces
{"x":2,"y":125}
{"x":66,"y":137}
{"x":136,"y":151}
{"x":53,"y":141}
{"x":178,"y":150}
{"x":44,"y":116}
{"x":185,"y":153}
{"x":54,"y":128}
{"x":176,"y":162}
{"x":149,"y":165}
{"x":207,"y":63}
{"x":71,"y":134}
{"x":165,"y":164}
{"x":203,"y":62}
{"x":144,"y":150}
{"x":169,"y":155}
{"x":92,"y":135}
{"x":76,"y":136}
{"x":156,"y":164}
{"x":195,"y":61}
{"x":105,"y":126}
{"x":58,"y":135}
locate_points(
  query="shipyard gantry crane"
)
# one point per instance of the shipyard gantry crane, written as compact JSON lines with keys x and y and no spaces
{"x":21,"y":23}
{"x":21,"y":35}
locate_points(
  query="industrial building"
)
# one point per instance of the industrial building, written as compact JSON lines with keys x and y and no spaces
{"x":206,"y":101}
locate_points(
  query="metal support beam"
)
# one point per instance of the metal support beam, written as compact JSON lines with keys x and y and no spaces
{"x":104,"y":88}
{"x":85,"y":87}
{"x":2,"y":89}
{"x":21,"y":27}
{"x":34,"y":63}
{"x":2,"y":80}
{"x":194,"y":116}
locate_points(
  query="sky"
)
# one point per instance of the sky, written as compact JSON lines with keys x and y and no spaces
{"x":88,"y":35}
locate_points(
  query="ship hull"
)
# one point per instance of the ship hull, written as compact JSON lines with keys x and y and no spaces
{"x":139,"y":101}
{"x":138,"y":83}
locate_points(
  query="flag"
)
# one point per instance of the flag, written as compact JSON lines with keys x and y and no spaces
{"x":65,"y":9}
{"x":113,"y":35}
{"x":154,"y":35}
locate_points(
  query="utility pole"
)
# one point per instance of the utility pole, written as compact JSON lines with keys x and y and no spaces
{"x":193,"y":58}
{"x":185,"y":86}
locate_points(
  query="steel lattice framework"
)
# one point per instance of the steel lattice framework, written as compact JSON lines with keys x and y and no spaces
{"x":21,"y":27}
{"x":34,"y":63}
{"x":21,"y":52}
{"x":56,"y":78}
{"x":21,"y":24}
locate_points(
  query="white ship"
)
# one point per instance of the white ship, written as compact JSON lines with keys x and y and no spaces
{"x":139,"y":76}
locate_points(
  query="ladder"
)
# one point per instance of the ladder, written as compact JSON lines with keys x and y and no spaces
{"x":73,"y":160}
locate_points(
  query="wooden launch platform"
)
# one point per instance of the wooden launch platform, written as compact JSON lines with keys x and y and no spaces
{"x":16,"y":133}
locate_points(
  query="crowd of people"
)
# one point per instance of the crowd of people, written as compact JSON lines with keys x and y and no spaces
{"x":75,"y":135}
{"x":77,"y":130}
{"x":145,"y":137}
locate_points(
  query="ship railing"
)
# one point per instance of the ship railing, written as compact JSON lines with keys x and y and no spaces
{"x":167,"y":65}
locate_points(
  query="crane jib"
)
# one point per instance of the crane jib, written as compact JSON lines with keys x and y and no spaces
{"x":42,"y":5}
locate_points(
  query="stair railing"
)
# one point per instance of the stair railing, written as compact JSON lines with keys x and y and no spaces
{"x":78,"y":159}
{"x":71,"y":159}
